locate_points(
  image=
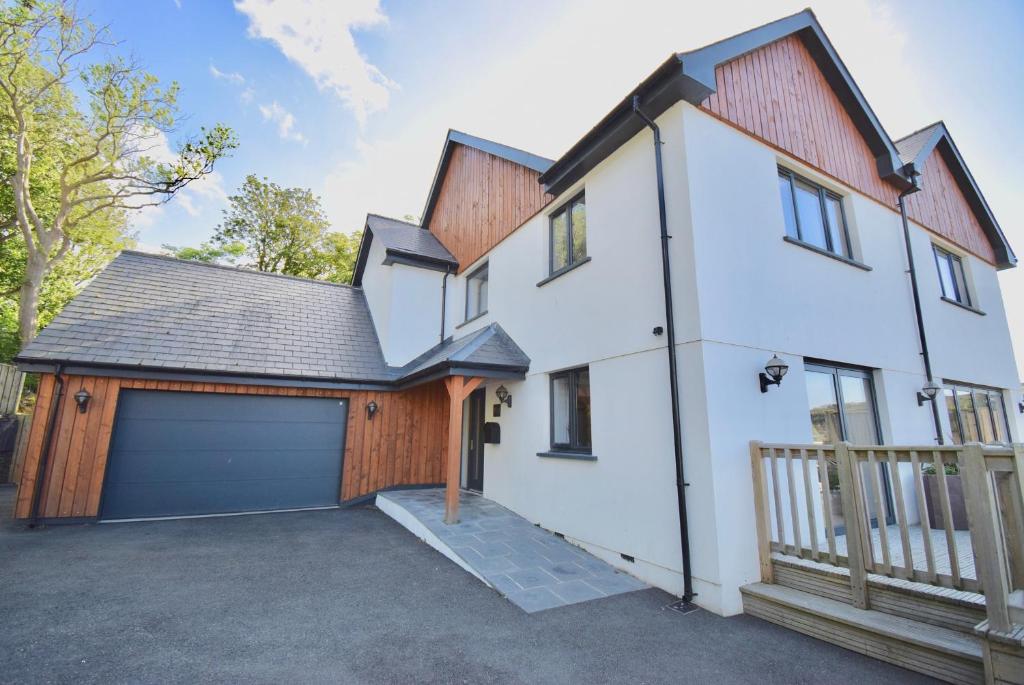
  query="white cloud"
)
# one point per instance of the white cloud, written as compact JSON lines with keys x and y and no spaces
{"x":247,"y":96}
{"x":318,"y":36}
{"x":285,"y":121}
{"x":229,"y":76}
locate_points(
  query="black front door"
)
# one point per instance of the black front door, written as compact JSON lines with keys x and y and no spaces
{"x":475,"y":440}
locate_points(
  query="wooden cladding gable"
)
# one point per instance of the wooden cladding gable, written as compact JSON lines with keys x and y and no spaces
{"x":941,"y":206}
{"x":404,"y":443}
{"x":483,"y":199}
{"x":778,"y":94}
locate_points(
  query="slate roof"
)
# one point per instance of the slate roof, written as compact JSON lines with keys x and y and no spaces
{"x":490,"y":347}
{"x":910,"y":146}
{"x":408,"y":239}
{"x":149,"y":311}
{"x":154,"y":313}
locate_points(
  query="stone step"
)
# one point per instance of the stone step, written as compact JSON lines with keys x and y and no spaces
{"x":937,"y":652}
{"x":941,"y":607}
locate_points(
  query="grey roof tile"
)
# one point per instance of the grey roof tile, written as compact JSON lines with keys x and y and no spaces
{"x":152,"y":311}
{"x":407,"y":238}
{"x":489,"y":346}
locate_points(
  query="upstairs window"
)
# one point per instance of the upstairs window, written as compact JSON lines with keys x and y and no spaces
{"x":570,"y":410}
{"x":476,"y":293}
{"x":951,"y":276}
{"x":569,"y":234}
{"x":813,"y":215}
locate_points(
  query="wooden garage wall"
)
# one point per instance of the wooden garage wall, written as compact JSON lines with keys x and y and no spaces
{"x":483,"y":199}
{"x":404,"y":444}
{"x":778,"y":95}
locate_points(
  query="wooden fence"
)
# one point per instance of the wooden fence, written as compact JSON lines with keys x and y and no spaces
{"x":872,"y":508}
{"x":11,"y":382}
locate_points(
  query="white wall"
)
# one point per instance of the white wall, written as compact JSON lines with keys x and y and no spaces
{"x":405,"y":303}
{"x":741,"y":295}
{"x":759,"y":295}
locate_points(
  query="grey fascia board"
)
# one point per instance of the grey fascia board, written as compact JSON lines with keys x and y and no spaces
{"x":690,"y":76}
{"x":72,"y":368}
{"x":362,"y":255}
{"x":393,"y":256}
{"x":1004,"y":253}
{"x":437,"y":371}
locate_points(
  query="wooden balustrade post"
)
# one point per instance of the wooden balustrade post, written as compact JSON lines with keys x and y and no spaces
{"x":761,"y":514}
{"x":986,"y":535}
{"x":853,"y":516}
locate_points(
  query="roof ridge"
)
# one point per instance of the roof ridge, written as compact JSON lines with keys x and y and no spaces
{"x":495,"y":142}
{"x":391,"y":218}
{"x":939,"y":122}
{"x":234,"y":269}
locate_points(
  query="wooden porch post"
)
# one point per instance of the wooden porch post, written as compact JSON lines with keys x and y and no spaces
{"x":458,"y":388}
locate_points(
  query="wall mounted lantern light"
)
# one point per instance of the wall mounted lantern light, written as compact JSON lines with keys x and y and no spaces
{"x":371,"y":409}
{"x":82,"y":398}
{"x":1020,"y":406}
{"x":504,"y":396}
{"x":928,"y":393}
{"x":773,"y":372}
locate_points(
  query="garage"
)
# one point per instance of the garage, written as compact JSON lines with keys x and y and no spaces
{"x":193,"y":453}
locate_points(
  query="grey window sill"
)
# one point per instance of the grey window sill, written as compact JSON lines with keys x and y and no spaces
{"x":564,"y":270}
{"x":963,"y":306}
{"x":826,"y":253}
{"x":471,"y":319}
{"x":578,"y":456}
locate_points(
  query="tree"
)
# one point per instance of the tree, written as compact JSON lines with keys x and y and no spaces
{"x":284,"y":230}
{"x":228,"y":253}
{"x":73,"y":165}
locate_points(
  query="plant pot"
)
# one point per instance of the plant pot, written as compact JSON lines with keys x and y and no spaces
{"x":956,"y":501}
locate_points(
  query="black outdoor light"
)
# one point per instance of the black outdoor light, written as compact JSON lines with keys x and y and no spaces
{"x":504,"y":396}
{"x":1020,"y":406}
{"x":82,"y":398}
{"x":773,"y":372}
{"x":927,"y":393}
{"x":371,"y":409}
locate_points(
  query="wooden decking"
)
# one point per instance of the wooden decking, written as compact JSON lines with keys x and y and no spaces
{"x":962,"y":543}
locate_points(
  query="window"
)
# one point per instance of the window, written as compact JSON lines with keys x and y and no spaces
{"x":569,"y":234}
{"x":842,"y":404}
{"x":951,"y":276}
{"x":570,"y":410}
{"x":476,"y":293}
{"x":813,"y":215}
{"x":976,"y":415}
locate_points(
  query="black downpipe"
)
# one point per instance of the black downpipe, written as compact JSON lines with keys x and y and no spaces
{"x":677,"y":435}
{"x":44,"y":456}
{"x":444,"y":297}
{"x":917,"y":302}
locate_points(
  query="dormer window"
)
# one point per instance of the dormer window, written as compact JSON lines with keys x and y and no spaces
{"x":951,"y":276}
{"x":476,"y":293}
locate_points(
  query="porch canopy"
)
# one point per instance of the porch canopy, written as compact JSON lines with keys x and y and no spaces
{"x":465,"y":364}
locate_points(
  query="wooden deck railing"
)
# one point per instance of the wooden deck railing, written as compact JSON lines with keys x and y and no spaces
{"x":895,"y":511}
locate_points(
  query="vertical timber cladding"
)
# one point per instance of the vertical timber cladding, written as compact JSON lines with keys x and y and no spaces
{"x":404,"y":443}
{"x":778,"y":94}
{"x":483,"y":199}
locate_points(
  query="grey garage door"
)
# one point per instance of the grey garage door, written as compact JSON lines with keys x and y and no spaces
{"x":184,"y":453}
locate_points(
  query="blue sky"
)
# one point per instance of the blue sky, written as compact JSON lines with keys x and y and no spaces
{"x":352,"y":98}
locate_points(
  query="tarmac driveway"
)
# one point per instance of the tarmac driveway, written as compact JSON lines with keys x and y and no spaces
{"x":345,"y":596}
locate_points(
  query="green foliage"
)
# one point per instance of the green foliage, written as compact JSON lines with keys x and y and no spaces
{"x":284,"y":230}
{"x":952,"y":469}
{"x":228,"y":253}
{"x":83,"y":144}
